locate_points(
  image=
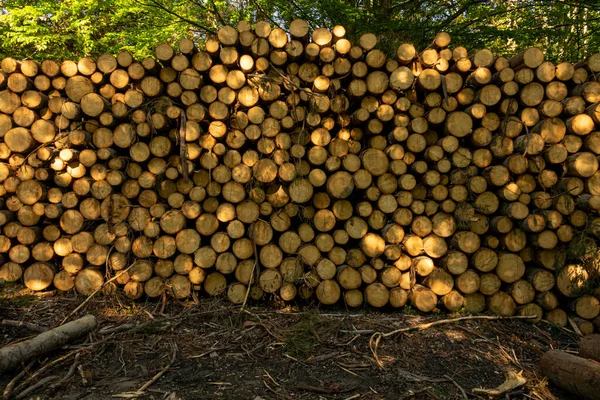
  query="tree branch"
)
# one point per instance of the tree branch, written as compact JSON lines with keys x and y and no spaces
{"x":157,"y":4}
{"x":465,"y":7}
{"x":217,"y":13}
{"x":266,"y":15}
{"x":464,"y":26}
{"x":303,"y":14}
{"x":200,"y":4}
{"x":581,"y":4}
{"x":404,"y":3}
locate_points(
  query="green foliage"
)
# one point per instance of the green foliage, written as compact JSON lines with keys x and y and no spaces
{"x":565,"y":29}
{"x":75,"y":28}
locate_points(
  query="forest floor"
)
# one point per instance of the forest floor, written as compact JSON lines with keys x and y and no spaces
{"x":207,"y":349}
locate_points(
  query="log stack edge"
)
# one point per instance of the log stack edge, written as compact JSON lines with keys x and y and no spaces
{"x":301,"y":165}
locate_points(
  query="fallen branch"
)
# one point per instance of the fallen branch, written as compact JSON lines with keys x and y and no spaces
{"x":15,"y":355}
{"x":115,"y":329}
{"x":8,"y":389}
{"x":140,"y":391}
{"x":23,"y":324}
{"x":45,"y":368}
{"x":377,"y":336}
{"x":69,"y":374}
{"x":462,"y":391}
{"x":72,"y":353}
{"x":37,"y":385}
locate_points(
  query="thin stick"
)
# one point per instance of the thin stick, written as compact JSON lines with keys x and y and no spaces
{"x":207,"y":352}
{"x":452,"y":320}
{"x":156,"y":377}
{"x":46,"y":367}
{"x":61,"y":359}
{"x":115,"y":329}
{"x":40,"y":383}
{"x":267,"y":15}
{"x":377,"y":336}
{"x":8,"y":389}
{"x":575,"y":327}
{"x":253,"y":269}
{"x":23,"y":324}
{"x":321,"y":390}
{"x":69,"y":374}
{"x":161,"y":373}
{"x":79,"y":307}
{"x":464,"y":394}
{"x":271,"y":390}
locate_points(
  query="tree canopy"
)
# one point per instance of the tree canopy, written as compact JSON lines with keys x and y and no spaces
{"x":68,"y":29}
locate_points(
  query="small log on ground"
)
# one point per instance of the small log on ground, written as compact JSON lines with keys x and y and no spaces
{"x":15,"y":355}
{"x":576,"y":374}
{"x":589,"y":347}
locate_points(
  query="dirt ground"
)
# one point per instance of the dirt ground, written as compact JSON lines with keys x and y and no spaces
{"x":208,"y":349}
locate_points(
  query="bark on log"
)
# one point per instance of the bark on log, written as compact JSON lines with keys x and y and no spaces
{"x":578,"y":375}
{"x":14,"y":355}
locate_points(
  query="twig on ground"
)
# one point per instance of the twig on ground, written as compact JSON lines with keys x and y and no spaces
{"x":161,"y":373}
{"x":511,"y":357}
{"x":316,"y":389}
{"x":348,"y":371}
{"x":462,"y":391}
{"x":8,"y":389}
{"x":270,"y":377}
{"x":79,"y":307}
{"x":412,"y":393}
{"x":412,"y":377}
{"x":69,"y":374}
{"x":272,"y":390}
{"x":140,"y":391}
{"x":46,"y":367}
{"x":325,"y":357}
{"x":65,"y":357}
{"x":464,"y":328}
{"x":294,"y":359}
{"x":264,"y":325}
{"x":358,"y":331}
{"x":35,"y":386}
{"x":377,"y":336}
{"x":115,"y":329}
{"x":559,"y":327}
{"x":23,"y":324}
{"x":575,"y":327}
{"x":207,"y":352}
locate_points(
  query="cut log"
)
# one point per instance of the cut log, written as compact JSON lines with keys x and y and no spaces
{"x":575,"y":374}
{"x":589,"y":347}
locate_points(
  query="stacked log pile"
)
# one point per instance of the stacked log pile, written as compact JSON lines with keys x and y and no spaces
{"x":303,"y":165}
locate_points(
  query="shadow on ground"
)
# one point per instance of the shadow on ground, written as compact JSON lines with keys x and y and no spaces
{"x":210,"y":350}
